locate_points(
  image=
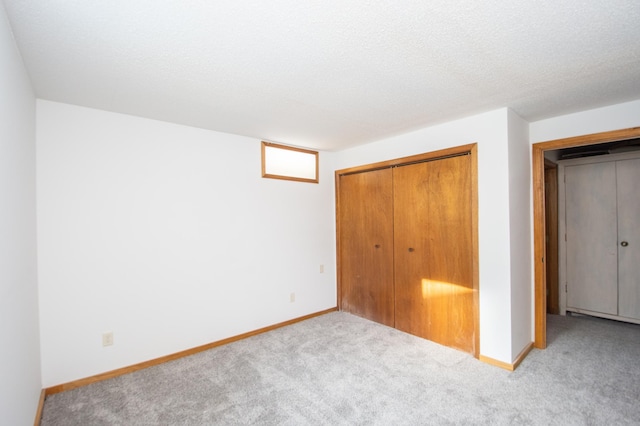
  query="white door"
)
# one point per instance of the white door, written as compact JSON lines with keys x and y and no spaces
{"x":591,"y":237}
{"x":628,"y":188}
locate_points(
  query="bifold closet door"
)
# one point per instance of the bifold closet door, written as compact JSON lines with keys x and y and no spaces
{"x":591,"y":237}
{"x":366,"y":245}
{"x":434,"y":295}
{"x":628,"y":179}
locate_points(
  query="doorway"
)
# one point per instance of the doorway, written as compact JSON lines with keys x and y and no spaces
{"x":539,"y":228}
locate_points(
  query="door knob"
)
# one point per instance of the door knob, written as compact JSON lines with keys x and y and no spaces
{"x":624,"y":243}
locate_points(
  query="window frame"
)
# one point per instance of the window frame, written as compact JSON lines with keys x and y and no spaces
{"x":265,"y":174}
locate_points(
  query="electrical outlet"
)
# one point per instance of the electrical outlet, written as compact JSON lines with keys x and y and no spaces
{"x":292,"y":297}
{"x":322,"y":269}
{"x":107,"y":339}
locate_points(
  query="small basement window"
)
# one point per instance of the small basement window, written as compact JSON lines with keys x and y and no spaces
{"x":289,"y":163}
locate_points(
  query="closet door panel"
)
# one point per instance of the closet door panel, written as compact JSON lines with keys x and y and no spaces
{"x":366,"y":245}
{"x":433,"y":251}
{"x":628,"y":179}
{"x":412,"y":247}
{"x":591,"y":237}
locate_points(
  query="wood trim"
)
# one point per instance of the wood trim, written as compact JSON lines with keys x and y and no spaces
{"x":496,"y":363}
{"x":505,"y":365}
{"x":537,"y":158}
{"x":591,"y":139}
{"x":540,"y":281}
{"x":471,"y":149}
{"x":338,"y":248}
{"x":434,"y":155}
{"x":264,"y":144}
{"x":130,"y":369}
{"x":522,"y":355}
{"x":43,"y":395}
{"x":475,"y":241}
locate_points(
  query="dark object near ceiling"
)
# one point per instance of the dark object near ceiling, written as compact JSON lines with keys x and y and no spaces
{"x":600,"y":149}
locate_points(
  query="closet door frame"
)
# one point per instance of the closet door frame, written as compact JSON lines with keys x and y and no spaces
{"x":470,"y":149}
{"x":539,"y":252}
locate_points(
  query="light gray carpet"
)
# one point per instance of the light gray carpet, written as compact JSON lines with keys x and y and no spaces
{"x":339,"y":369}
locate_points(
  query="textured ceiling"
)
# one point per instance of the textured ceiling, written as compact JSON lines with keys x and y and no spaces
{"x":329,"y":74}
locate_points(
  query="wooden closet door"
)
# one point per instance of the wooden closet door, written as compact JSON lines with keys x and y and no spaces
{"x":591,"y":237}
{"x":366,"y":245}
{"x":434,"y":295}
{"x":628,"y":178}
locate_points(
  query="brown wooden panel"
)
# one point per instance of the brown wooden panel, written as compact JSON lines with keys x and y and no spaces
{"x":366,"y":245}
{"x":434,"y":251}
{"x":551,"y":224}
{"x":539,"y":247}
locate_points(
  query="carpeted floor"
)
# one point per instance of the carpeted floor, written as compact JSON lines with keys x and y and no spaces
{"x":339,"y":369}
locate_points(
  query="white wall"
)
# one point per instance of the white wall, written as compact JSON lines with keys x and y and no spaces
{"x":167,"y":236}
{"x":490,"y":131}
{"x":520,"y":234}
{"x":614,"y":117}
{"x":20,"y":382}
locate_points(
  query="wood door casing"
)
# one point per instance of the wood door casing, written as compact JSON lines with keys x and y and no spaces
{"x":537,"y":171}
{"x":366,"y":245}
{"x":434,"y":286}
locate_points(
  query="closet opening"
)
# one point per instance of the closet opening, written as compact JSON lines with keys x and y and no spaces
{"x":580,"y":146}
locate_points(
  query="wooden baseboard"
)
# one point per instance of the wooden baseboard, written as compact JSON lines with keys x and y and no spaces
{"x":36,"y":422}
{"x":130,"y":369}
{"x":522,"y":355}
{"x":510,"y":367}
